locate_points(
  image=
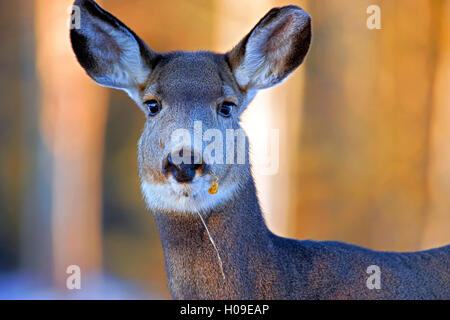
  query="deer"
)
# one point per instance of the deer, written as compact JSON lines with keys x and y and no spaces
{"x":216,"y":244}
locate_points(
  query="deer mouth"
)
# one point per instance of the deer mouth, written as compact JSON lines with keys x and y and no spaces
{"x":193,"y":188}
{"x":196,"y":196}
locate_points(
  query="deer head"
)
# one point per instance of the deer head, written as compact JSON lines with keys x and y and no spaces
{"x":187,"y":92}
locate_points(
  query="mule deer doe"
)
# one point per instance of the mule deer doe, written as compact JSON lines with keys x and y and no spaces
{"x":218,"y":246}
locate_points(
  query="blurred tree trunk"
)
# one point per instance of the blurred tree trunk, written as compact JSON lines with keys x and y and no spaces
{"x":36,"y":233}
{"x":363,"y":173}
{"x":405,"y":85}
{"x":72,"y":123}
{"x":437,"y":222}
{"x":332,"y":175}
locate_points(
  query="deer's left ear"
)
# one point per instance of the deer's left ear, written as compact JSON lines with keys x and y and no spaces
{"x":274,"y":48}
{"x":111,"y":53}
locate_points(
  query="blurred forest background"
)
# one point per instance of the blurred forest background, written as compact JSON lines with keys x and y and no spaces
{"x":364,"y":138}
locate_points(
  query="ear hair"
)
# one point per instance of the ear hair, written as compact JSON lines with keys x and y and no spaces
{"x":274,"y":48}
{"x":111,"y":53}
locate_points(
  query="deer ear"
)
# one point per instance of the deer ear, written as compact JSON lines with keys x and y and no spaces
{"x":112,"y":54}
{"x":274,"y":48}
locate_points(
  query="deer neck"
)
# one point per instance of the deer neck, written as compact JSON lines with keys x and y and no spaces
{"x":241,"y":237}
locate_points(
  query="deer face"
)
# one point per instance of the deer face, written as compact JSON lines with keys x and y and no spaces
{"x":191,"y":100}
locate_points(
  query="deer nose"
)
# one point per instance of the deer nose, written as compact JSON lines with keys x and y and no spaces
{"x":185,"y":167}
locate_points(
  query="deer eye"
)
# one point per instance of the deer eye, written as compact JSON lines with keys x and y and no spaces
{"x":225,"y":109}
{"x":154,"y":107}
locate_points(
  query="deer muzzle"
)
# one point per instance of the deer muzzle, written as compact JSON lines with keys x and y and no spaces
{"x":183,"y":166}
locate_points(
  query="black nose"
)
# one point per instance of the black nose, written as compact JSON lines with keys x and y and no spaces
{"x":184,"y":168}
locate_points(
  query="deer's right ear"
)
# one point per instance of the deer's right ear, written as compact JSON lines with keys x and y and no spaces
{"x":273,"y":49}
{"x":112,"y":54}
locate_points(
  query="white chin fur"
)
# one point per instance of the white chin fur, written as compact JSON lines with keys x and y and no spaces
{"x":172,"y":195}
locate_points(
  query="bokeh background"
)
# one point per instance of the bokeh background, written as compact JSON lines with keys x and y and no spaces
{"x":364,"y":129}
